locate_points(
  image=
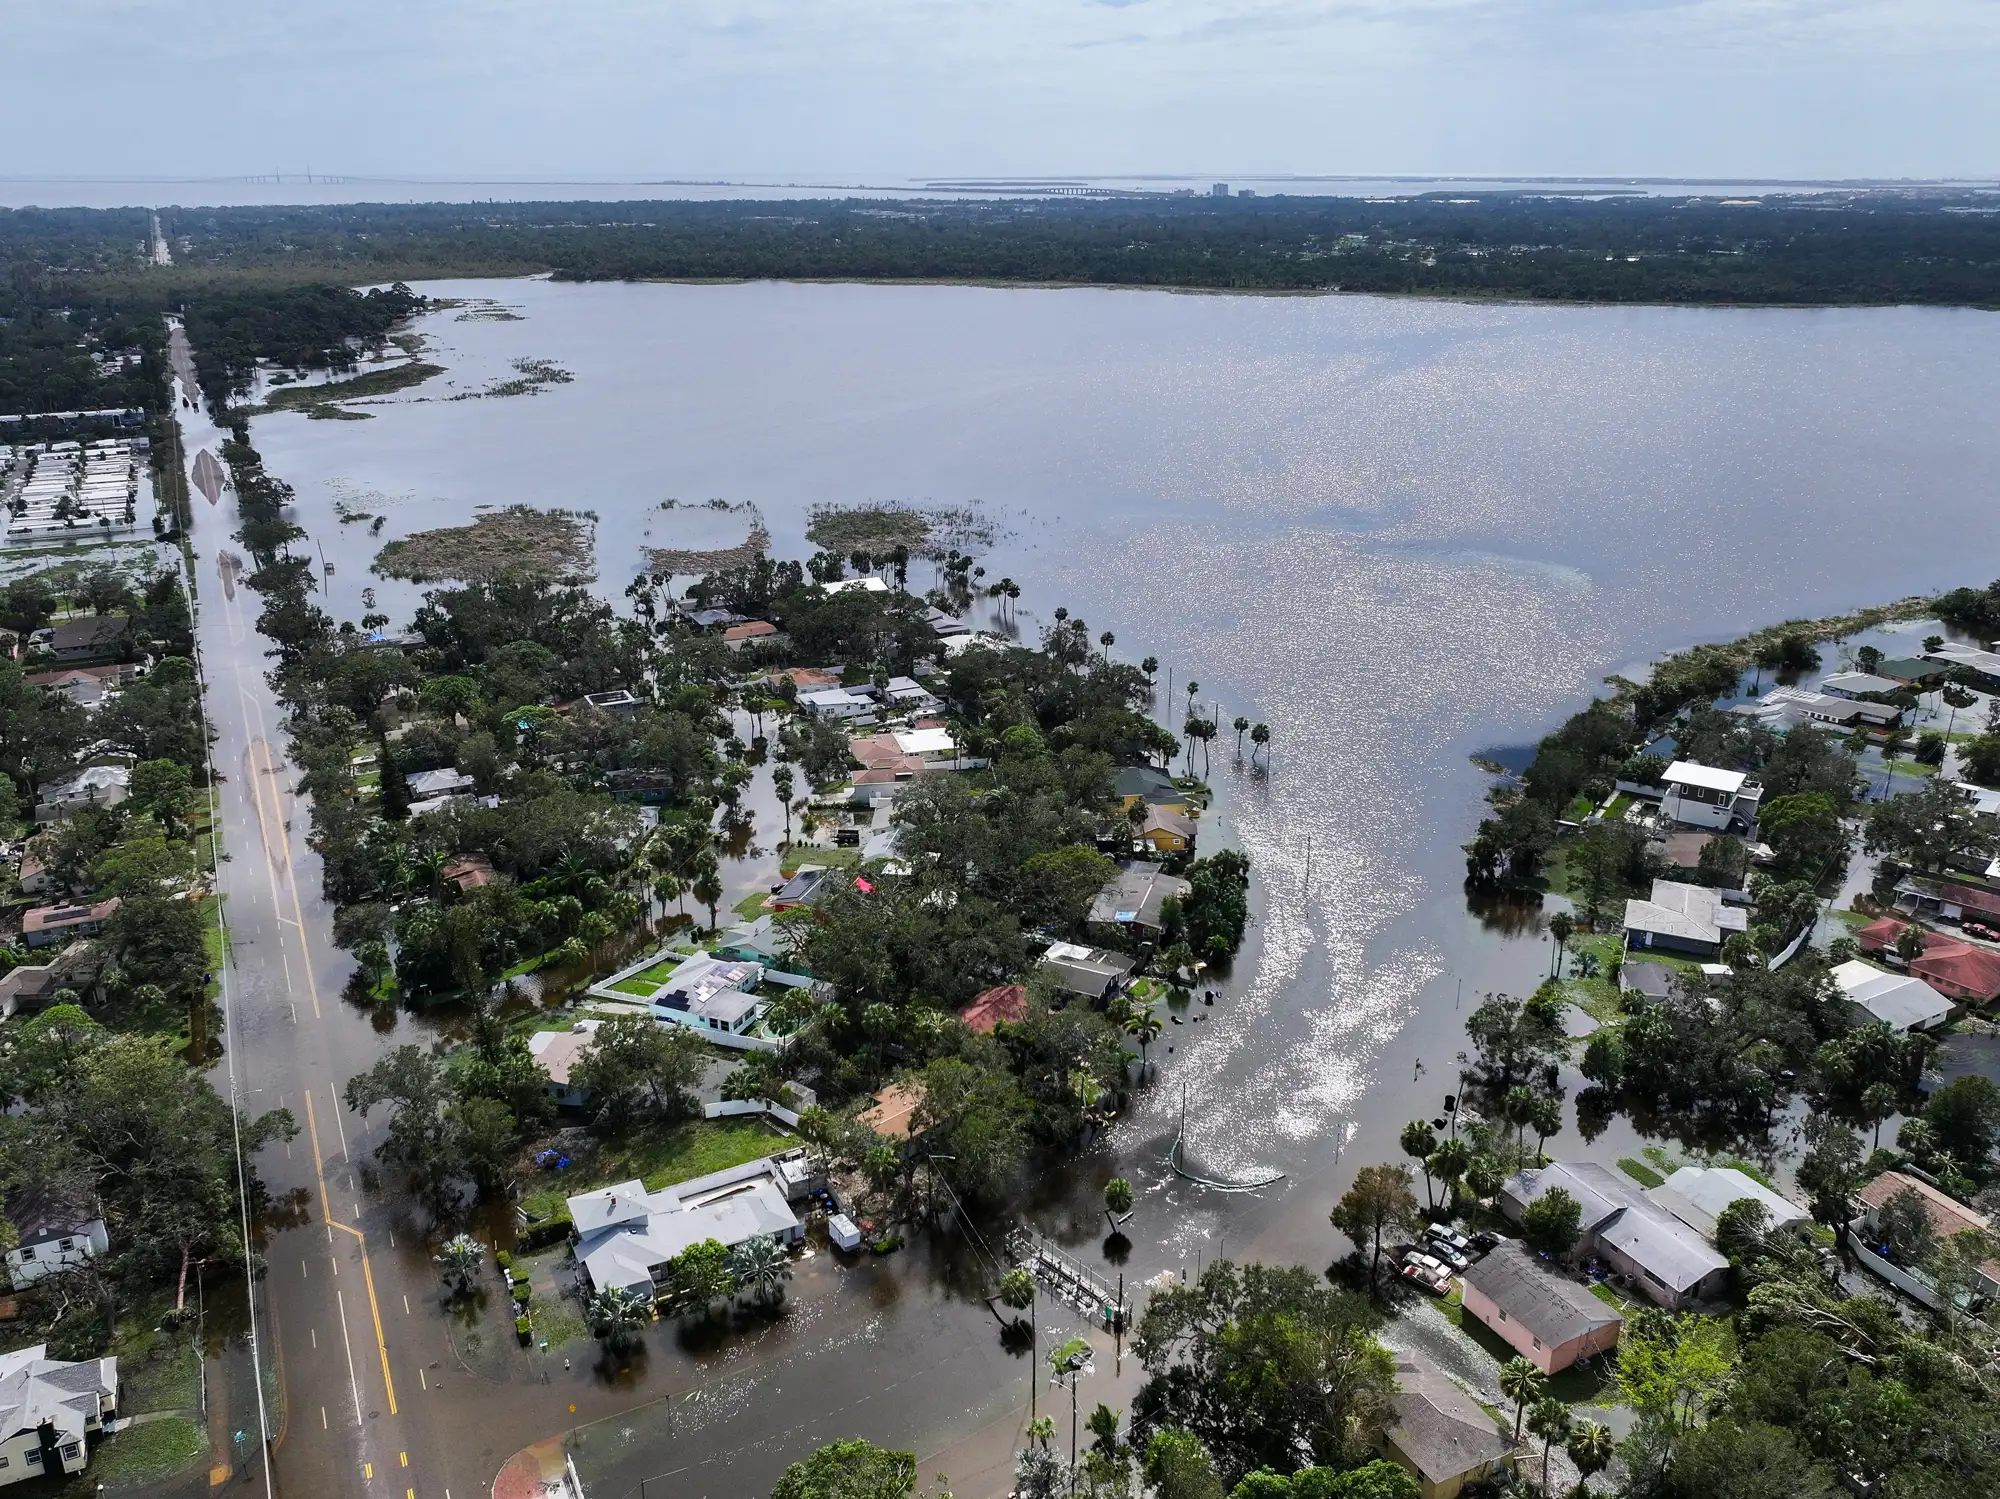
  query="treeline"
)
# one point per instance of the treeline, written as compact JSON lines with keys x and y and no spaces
{"x":1857,"y":247}
{"x":314,"y":326}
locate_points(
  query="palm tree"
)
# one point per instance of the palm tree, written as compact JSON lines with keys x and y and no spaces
{"x":1241,"y":725}
{"x":1260,"y":736}
{"x":1149,"y":666}
{"x":1878,"y":1102}
{"x":1144,"y":1027}
{"x":616,"y":1315}
{"x":1192,"y":688}
{"x":1420,"y":1140}
{"x":1017,"y":1290}
{"x":1562,"y":926}
{"x":1107,"y":640}
{"x":1067,"y":1365}
{"x":459,"y":1262}
{"x":761,"y":1262}
{"x":1590,"y":1447}
{"x":1118,"y":1199}
{"x":1518,"y":1109}
{"x":1448,"y":1163}
{"x":781,"y":782}
{"x":1522,"y":1383}
{"x":707,"y":889}
{"x":1549,"y":1420}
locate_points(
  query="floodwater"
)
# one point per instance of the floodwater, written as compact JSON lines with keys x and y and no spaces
{"x":1399,"y":532}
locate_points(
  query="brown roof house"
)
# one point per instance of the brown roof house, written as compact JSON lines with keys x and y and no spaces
{"x":1168,"y":830}
{"x":50,"y":924}
{"x":1948,"y":1218}
{"x":1552,"y":1321}
{"x":1440,"y":1433}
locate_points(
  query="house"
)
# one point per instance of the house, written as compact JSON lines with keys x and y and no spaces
{"x":1948,"y":1218}
{"x":868,"y":583}
{"x":835,"y":703}
{"x":806,"y":886}
{"x":925,"y":744}
{"x":1908,"y":671}
{"x":909,"y":694}
{"x":750,"y":942}
{"x":468,"y":872}
{"x":1439,"y":1432}
{"x":1697,"y":1196}
{"x":1090,"y":971}
{"x":558,"y":1052}
{"x":49,"y":1409}
{"x":32,"y":874}
{"x":1551,"y":1321}
{"x":1902,"y":1001}
{"x":1142,"y":783}
{"x":1136,"y":896}
{"x":1167,"y":830}
{"x":30,"y":986}
{"x":1690,"y":919}
{"x":82,"y":685}
{"x":49,"y":924}
{"x":1858,"y":683}
{"x":807,"y":678}
{"x":618,"y":702}
{"x":1653,"y":980}
{"x":95,"y":638}
{"x":736,"y":637}
{"x":428,"y":784}
{"x":1668,"y":1261}
{"x":707,"y":993}
{"x":629,"y":1237}
{"x":57,"y":1231}
{"x":1701,"y":796}
{"x":1956,"y":969}
{"x":708,"y":619}
{"x":893,"y":1110}
{"x":93,"y":786}
{"x":989,"y":1007}
{"x":1983,"y":664}
{"x":1785,"y":708}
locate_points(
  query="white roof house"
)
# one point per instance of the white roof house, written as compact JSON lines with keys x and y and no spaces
{"x":95,"y":785}
{"x":1704,"y":777}
{"x":69,"y":1400}
{"x":627,"y":1236}
{"x":835,"y":702}
{"x":1902,"y":1000}
{"x":1682,"y":918}
{"x":1697,"y":1196}
{"x":1849,"y":683}
{"x":866,"y":584}
{"x":425,"y":784}
{"x":925,"y":742}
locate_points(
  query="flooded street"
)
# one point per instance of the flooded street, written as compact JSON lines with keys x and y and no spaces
{"x":1398,"y":532}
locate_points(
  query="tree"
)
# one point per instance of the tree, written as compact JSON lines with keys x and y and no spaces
{"x":1017,"y":1290}
{"x":1723,"y":861}
{"x":1674,"y":1366}
{"x":1927,"y":828}
{"x":1805,"y":834}
{"x":853,"y":1469}
{"x":761,"y":1263}
{"x":1903,"y":1223}
{"x":781,"y":782}
{"x":460,"y":1262}
{"x":1562,"y":926}
{"x":1449,"y":1163}
{"x":635,"y":1065}
{"x":1553,"y":1222}
{"x":1551,"y":1421}
{"x":1178,"y":1466}
{"x":1911,"y":941}
{"x":1143,"y":1026}
{"x":1380,"y":1202}
{"x":1241,"y":726}
{"x":1268,"y":1367}
{"x":1260,"y":739}
{"x":1964,"y":1116}
{"x":1829,"y":1172}
{"x":702,"y":1275}
{"x":1118,"y":1196}
{"x":425,"y":1136}
{"x":1740,"y":1230}
{"x":487,"y":1137}
{"x":1419,"y":1139}
{"x":1591,"y":1447}
{"x":1522,"y":1383}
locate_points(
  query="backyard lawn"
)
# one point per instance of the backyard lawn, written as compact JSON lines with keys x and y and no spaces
{"x":661,"y":1158}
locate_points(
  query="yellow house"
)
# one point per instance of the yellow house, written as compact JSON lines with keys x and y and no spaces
{"x":1168,"y":829}
{"x":1440,"y":1433}
{"x":1142,"y":783}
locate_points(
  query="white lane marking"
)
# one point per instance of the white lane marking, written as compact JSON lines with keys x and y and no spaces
{"x":353,"y":1384}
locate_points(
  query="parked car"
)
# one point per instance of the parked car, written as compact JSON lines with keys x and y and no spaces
{"x":1451,"y":1257}
{"x":1451,"y":1238}
{"x":1484,"y":1242}
{"x":1427,"y":1261}
{"x":1418,"y":1273}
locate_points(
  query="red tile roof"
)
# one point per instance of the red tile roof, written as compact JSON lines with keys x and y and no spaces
{"x":1948,"y":965}
{"x":988,"y":1009}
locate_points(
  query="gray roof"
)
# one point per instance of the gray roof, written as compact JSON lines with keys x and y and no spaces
{"x":1903,"y":1000}
{"x":1438,"y":1426}
{"x":631,"y":1233}
{"x":1551,"y":1308}
{"x":1697,"y":1196}
{"x":1693,"y":913}
{"x":36,"y":1390}
{"x":1136,"y":895}
{"x":1616,"y":1213}
{"x":1654,"y":980}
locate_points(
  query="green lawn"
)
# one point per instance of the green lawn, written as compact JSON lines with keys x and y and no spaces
{"x":830,"y":858}
{"x":146,"y":1454}
{"x":662,"y":1157}
{"x":170,"y":1380}
{"x":751,"y":906}
{"x":1640,"y":1172}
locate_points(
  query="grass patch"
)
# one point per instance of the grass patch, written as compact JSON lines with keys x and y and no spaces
{"x":750,"y":907}
{"x":374,"y":383}
{"x":639,"y":987}
{"x":1661,"y":1157}
{"x":1755,"y":1172}
{"x":830,"y":858}
{"x":146,"y":1454}
{"x":1597,"y":998}
{"x":1640,"y":1172}
{"x":519,"y":541}
{"x":664,"y":1157}
{"x":170,"y":1380}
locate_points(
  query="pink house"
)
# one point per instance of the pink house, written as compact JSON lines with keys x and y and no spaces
{"x":1551,"y":1321}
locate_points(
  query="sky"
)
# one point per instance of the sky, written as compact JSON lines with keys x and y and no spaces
{"x":859,"y":91}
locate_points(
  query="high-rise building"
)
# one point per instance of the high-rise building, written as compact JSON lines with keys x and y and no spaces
{"x":1220,"y":190}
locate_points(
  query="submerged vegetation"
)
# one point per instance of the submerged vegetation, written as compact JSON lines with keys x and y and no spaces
{"x":517,"y":542}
